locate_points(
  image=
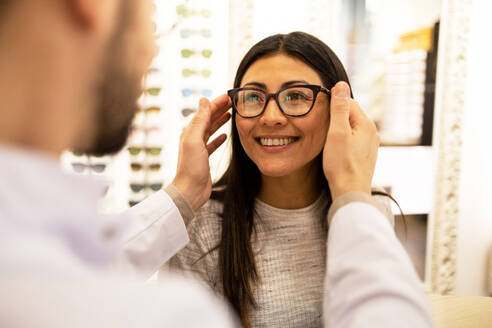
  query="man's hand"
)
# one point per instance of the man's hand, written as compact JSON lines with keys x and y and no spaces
{"x":193,"y":178}
{"x":351,"y":147}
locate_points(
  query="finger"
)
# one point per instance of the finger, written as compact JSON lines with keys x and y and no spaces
{"x":213,"y":145}
{"x":340,"y":108}
{"x":201,"y":121}
{"x":218,"y":124}
{"x":219,"y":106}
{"x":206,"y":115}
{"x":358,"y":117}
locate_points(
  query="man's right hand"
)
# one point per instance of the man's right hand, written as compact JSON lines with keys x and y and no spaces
{"x":193,"y":178}
{"x":351,"y":147}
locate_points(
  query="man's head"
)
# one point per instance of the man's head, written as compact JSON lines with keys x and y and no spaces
{"x":120,"y":85}
{"x":83,"y":63}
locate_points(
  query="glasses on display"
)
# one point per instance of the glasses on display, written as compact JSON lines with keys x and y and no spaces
{"x":144,"y":129}
{"x":186,"y":12}
{"x":189,"y":92}
{"x":151,"y":129}
{"x":77,"y":153}
{"x":187,"y":53}
{"x":295,"y":101}
{"x":137,"y":167}
{"x":154,"y":91}
{"x":81,"y":167}
{"x":186,"y":33}
{"x":187,"y":111}
{"x":138,"y":187}
{"x":153,"y":70}
{"x":154,"y":151}
{"x":187,"y":72}
{"x":150,"y":110}
{"x":132,"y":203}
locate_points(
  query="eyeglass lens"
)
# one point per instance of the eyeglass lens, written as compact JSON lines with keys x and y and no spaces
{"x":293,"y":101}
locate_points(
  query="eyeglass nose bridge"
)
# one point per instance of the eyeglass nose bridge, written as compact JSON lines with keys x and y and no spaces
{"x":267,"y":100}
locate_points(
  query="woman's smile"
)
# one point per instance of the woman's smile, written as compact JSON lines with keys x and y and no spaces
{"x":276,"y":143}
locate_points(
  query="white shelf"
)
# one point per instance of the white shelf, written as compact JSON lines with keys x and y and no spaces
{"x":410,"y":172}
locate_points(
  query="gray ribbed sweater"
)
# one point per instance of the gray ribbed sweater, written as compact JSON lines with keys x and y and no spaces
{"x":290,"y":251}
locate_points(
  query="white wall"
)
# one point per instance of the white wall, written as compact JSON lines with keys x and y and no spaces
{"x":392,"y":18}
{"x":475,"y":220}
{"x":409,"y":171}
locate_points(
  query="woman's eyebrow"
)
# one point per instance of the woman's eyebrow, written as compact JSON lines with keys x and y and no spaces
{"x":284,"y":85}
{"x":255,"y":84}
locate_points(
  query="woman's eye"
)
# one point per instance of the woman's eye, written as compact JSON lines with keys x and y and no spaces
{"x":252,"y":97}
{"x":294,"y":96}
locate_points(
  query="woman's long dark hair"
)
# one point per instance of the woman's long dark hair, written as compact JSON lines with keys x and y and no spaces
{"x":241,"y":183}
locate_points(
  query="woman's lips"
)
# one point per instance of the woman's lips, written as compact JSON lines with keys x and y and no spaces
{"x":277,"y":143}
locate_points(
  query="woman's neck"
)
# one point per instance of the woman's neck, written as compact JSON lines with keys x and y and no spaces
{"x":296,"y":190}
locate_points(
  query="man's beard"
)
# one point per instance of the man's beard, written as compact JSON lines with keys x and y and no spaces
{"x":117,"y":95}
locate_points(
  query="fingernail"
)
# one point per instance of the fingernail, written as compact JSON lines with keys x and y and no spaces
{"x":342,"y":90}
{"x":203,"y":103}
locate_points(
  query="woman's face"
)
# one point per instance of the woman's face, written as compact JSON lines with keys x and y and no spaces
{"x":305,"y":135}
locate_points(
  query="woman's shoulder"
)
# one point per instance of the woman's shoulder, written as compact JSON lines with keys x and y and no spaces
{"x":213,"y":207}
{"x":200,"y":257}
{"x":210,"y":211}
{"x":207,"y":223}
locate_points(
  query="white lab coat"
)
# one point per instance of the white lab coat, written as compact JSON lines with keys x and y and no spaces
{"x":57,"y":257}
{"x":61,"y":265}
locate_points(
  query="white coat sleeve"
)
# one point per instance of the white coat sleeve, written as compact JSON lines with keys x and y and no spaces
{"x":155,"y":232}
{"x":370,"y":280}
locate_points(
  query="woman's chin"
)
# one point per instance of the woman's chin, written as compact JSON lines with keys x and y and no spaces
{"x":276,"y":171}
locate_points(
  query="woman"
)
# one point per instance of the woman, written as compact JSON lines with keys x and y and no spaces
{"x":261,"y":240}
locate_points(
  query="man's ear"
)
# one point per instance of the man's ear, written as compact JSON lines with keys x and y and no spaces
{"x":95,"y":15}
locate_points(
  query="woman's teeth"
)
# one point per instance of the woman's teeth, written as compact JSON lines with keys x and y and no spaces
{"x":276,"y":141}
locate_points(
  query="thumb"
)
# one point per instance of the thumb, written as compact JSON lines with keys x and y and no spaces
{"x":340,"y":108}
{"x":201,"y":120}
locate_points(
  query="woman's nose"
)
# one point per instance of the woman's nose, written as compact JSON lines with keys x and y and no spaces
{"x":273,"y":115}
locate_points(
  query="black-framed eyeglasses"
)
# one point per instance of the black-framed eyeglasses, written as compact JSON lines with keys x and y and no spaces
{"x":295,"y":101}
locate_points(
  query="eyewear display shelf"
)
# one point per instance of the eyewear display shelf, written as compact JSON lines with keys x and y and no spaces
{"x":407,"y":166}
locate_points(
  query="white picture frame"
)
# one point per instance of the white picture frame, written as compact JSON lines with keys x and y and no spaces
{"x":451,"y":82}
